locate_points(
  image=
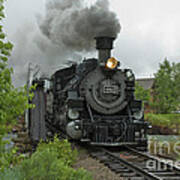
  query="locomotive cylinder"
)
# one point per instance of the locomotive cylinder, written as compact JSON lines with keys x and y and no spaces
{"x":104,"y":45}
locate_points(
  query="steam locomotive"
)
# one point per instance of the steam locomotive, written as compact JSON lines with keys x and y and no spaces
{"x":90,"y":102}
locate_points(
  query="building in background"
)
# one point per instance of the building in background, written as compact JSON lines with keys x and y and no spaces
{"x":146,"y":83}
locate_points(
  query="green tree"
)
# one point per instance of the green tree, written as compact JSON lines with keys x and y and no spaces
{"x":5,"y":76}
{"x":177,"y":83}
{"x":13,"y":101}
{"x":167,"y":88}
{"x":142,"y":94}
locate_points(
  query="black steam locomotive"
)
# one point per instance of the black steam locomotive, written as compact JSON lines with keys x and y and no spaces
{"x":90,"y":102}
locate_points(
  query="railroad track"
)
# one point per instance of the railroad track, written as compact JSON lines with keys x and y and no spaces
{"x":133,"y":164}
{"x":136,"y":165}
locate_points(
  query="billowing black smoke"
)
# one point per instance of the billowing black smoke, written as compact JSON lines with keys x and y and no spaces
{"x":65,"y":32}
{"x":74,"y":25}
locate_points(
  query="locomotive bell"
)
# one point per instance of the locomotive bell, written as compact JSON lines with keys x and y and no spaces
{"x":104,"y":45}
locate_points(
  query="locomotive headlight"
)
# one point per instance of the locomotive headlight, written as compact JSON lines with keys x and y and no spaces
{"x":138,"y":115}
{"x":73,"y":114}
{"x":111,"y":63}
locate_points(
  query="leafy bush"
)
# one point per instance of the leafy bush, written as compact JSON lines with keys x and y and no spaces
{"x":51,"y":161}
{"x":11,"y":174}
{"x":62,"y":148}
{"x":9,"y":158}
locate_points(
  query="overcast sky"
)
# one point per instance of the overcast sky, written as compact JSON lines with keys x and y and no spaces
{"x":150,"y":30}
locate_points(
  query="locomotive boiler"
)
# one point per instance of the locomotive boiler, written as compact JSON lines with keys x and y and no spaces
{"x":91,"y":102}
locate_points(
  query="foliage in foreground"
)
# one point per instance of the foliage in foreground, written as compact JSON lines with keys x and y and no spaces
{"x":51,"y":161}
{"x":166,"y":120}
{"x":9,"y":158}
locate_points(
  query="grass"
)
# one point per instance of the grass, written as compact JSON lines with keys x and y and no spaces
{"x":171,"y":121}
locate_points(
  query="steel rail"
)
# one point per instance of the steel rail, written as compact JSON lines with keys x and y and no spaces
{"x":127,"y":167}
{"x":175,"y":168}
{"x":147,"y":175}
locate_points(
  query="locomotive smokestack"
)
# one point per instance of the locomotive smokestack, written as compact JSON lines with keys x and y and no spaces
{"x":104,"y":45}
